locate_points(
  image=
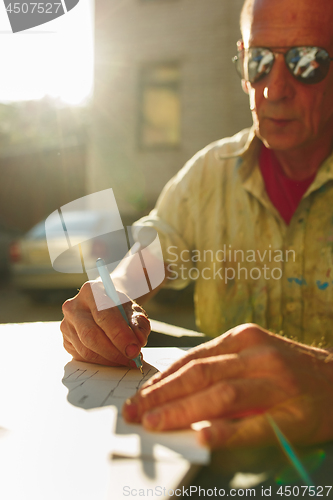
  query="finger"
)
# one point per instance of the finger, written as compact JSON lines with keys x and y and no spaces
{"x":91,"y":344}
{"x":226,"y":433}
{"x":111,"y":321}
{"x":191,"y":378}
{"x":224,"y":399}
{"x":197,"y":375}
{"x":139,"y":323}
{"x":206,"y":350}
{"x":97,"y":359}
{"x":282,"y":423}
{"x":92,"y":357}
{"x":70,"y":349}
{"x":234,"y":341}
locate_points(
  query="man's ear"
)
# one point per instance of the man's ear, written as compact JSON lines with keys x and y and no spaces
{"x":245,"y":86}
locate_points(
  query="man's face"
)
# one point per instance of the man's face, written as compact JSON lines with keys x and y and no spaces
{"x":288,"y":114}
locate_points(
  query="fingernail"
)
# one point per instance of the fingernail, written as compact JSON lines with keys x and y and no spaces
{"x":205,"y":436}
{"x":132,"y":350}
{"x":130,"y":410}
{"x":152,"y":420}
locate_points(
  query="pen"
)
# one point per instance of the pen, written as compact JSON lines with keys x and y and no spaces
{"x":290,"y":452}
{"x":112,"y":293}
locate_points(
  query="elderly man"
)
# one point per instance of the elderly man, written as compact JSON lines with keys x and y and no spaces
{"x":259,"y":206}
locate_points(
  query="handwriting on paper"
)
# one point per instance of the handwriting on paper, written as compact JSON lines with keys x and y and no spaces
{"x":93,"y":386}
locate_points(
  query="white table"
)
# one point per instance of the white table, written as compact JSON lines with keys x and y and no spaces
{"x":52,"y":450}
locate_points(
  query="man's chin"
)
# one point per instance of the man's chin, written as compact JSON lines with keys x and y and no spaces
{"x":280,"y":142}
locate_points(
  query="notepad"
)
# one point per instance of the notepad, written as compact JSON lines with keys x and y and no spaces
{"x":94,"y":386}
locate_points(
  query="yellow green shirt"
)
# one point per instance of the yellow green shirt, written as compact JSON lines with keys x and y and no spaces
{"x":218,"y":227}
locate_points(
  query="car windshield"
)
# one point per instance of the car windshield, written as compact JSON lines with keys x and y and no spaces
{"x":76,"y":222}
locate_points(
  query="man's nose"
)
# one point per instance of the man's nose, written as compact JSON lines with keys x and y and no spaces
{"x":279,"y":83}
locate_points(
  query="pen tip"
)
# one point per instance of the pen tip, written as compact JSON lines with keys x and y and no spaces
{"x":141,"y":370}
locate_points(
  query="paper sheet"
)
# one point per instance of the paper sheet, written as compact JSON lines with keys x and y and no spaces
{"x":93,"y":386}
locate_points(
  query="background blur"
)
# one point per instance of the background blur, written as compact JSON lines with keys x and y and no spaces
{"x":122,"y":102}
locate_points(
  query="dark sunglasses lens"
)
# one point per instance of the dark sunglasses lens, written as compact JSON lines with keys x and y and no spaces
{"x":308,"y":64}
{"x":259,"y":62}
{"x":239,"y":64}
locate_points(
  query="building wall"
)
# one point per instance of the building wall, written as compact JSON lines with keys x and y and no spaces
{"x":199,"y":35}
{"x":35,"y":182}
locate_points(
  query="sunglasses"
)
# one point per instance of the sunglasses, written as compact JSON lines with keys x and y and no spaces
{"x":307,"y":64}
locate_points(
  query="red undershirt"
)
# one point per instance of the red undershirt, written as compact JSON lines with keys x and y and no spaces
{"x":284,"y":193}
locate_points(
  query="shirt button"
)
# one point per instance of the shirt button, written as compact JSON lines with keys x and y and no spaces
{"x":291,"y":306}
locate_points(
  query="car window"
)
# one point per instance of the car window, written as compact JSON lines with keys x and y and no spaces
{"x":79,"y":223}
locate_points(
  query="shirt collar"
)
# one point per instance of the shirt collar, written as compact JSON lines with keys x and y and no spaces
{"x":251,"y":177}
{"x":249,"y":165}
{"x":324,"y":174}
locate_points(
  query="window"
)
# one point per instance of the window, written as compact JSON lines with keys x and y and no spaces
{"x":159,"y":106}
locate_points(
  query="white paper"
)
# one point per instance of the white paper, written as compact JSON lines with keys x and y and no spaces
{"x":93,"y":386}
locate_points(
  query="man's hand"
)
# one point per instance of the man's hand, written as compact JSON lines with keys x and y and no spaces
{"x":103,"y":337}
{"x":232,"y":381}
